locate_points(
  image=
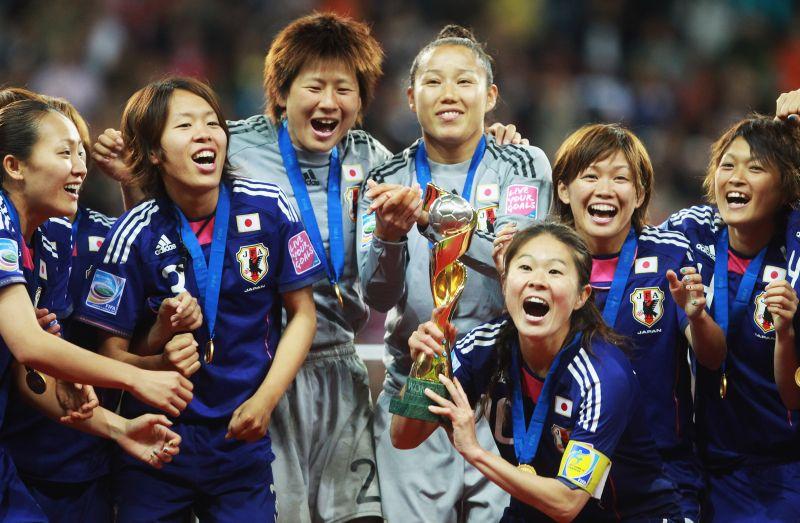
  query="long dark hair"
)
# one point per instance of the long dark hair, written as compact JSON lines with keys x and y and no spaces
{"x":587,"y":320}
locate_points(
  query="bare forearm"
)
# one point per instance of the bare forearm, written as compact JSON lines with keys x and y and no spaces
{"x":707,"y":340}
{"x":409,"y":433}
{"x":548,"y":495}
{"x":786,"y":363}
{"x":151,"y":362}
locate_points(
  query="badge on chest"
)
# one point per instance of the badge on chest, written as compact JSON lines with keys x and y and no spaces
{"x":648,"y":305}
{"x":253,"y":265}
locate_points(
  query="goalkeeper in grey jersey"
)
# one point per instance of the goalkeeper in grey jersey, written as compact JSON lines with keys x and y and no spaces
{"x":450,"y":90}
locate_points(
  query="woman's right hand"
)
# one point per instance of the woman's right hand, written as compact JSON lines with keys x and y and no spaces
{"x":164,"y":390}
{"x":428,"y":340}
{"x":109,"y":153}
{"x":500,"y":244}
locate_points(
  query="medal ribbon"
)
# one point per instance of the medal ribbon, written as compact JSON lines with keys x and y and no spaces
{"x":723,"y":314}
{"x":335,"y":262}
{"x":626,"y":260}
{"x":423,"y":168}
{"x":526,"y":442}
{"x":209,"y":277}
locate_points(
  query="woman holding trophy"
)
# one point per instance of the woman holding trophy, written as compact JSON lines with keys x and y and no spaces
{"x":451,"y":91}
{"x":557,"y":436}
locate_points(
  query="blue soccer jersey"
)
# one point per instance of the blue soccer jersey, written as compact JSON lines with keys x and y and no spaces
{"x":750,"y":426}
{"x":596,"y":402}
{"x":144,"y":261}
{"x":41,"y":448}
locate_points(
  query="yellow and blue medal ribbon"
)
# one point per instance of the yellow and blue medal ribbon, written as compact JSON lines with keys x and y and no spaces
{"x":627,"y":258}
{"x":725,"y":315}
{"x":526,"y":441}
{"x":209,"y":277}
{"x":335,"y":262}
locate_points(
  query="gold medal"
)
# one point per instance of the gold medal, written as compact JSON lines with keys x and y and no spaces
{"x":797,"y":376}
{"x":338,"y":294}
{"x":723,"y":386}
{"x":209,"y":355}
{"x":35,"y":381}
{"x":524,"y":467}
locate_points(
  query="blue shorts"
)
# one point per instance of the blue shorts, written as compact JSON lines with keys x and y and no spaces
{"x":687,"y":475}
{"x":16,"y":503}
{"x":86,"y":502}
{"x":217,"y":479}
{"x":759,"y":493}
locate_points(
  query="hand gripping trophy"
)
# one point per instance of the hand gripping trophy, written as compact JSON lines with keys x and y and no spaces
{"x":454,"y":219}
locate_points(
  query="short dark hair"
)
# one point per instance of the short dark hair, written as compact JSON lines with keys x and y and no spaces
{"x":453,"y":34}
{"x":143,"y":123}
{"x":15,"y":94}
{"x":773,"y":143}
{"x":595,"y":142}
{"x":321,"y":36}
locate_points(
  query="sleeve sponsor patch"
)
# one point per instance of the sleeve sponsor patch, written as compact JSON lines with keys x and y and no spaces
{"x":522,"y":199}
{"x":585,"y":467}
{"x":367,"y":230}
{"x":9,"y":255}
{"x":301,"y":250}
{"x":105,"y":292}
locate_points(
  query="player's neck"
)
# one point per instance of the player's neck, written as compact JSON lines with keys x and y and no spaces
{"x":29,"y":220}
{"x":539,"y":353}
{"x":195,"y":205}
{"x":750,"y":239}
{"x":449,"y":153}
{"x":599,"y":246}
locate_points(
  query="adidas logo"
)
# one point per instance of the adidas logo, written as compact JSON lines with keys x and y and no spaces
{"x":310,"y":179}
{"x":164,"y":245}
{"x":708,"y":250}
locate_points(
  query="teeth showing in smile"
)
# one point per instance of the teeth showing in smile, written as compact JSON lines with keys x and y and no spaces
{"x":72,"y":188}
{"x":735,"y":197}
{"x":204,"y":157}
{"x":602,"y":210}
{"x":535,"y":306}
{"x":324,"y":125}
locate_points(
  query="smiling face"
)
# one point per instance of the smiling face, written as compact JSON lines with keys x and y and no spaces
{"x":747,"y":192}
{"x":542,"y":290}
{"x":53,"y":174}
{"x":193,"y":145}
{"x":602,"y":199}
{"x":322,"y":105}
{"x":451,"y":97}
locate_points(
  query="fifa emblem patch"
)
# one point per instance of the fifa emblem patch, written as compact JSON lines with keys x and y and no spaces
{"x":762,"y":316}
{"x":253,"y":264}
{"x":584,"y":467}
{"x":487,"y":193}
{"x":560,"y":437}
{"x":352,"y":173}
{"x":105,"y":292}
{"x":367,"y":230}
{"x":304,"y":257}
{"x":648,"y":305}
{"x":351,"y":202}
{"x":486,"y":218}
{"x":522,"y":199}
{"x":9,"y":255}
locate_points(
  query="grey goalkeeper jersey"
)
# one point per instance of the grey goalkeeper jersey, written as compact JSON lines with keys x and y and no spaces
{"x":512,"y":183}
{"x":254,"y":153}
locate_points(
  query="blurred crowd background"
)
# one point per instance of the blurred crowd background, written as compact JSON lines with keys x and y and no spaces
{"x":677,"y":72}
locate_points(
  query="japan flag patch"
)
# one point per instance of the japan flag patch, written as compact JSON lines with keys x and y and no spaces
{"x":95,"y":242}
{"x":352,"y":173}
{"x":563,"y":406}
{"x":772,"y":273}
{"x":488,"y":193}
{"x":248,"y":222}
{"x":42,"y":270}
{"x":648,"y":264}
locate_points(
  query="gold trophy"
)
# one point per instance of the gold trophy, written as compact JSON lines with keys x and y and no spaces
{"x":454,"y":219}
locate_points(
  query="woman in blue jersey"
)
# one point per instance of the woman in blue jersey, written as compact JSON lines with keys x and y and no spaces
{"x":564,"y":403}
{"x":748,"y":438}
{"x":42,"y":169}
{"x":604,"y":181}
{"x":241,"y":249}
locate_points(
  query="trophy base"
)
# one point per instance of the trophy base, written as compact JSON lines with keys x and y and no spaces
{"x":413,"y":403}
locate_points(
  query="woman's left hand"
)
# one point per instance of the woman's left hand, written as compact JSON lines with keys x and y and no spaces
{"x":781,"y":301}
{"x":462,"y":418}
{"x":77,"y":400}
{"x":506,"y":134}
